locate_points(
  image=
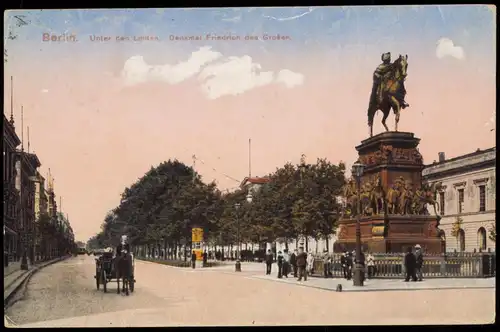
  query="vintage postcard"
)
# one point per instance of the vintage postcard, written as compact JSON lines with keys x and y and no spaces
{"x":250,"y":166}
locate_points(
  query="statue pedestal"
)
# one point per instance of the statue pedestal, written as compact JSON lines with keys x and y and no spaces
{"x":393,"y":233}
{"x":391,"y":157}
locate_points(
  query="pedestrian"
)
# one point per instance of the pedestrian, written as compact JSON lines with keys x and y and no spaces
{"x":343,"y":263}
{"x":205,"y":259}
{"x":410,"y":264}
{"x":269,"y":261}
{"x":293,"y":262}
{"x":419,"y":260}
{"x":301,"y":264}
{"x":286,"y":263}
{"x":326,"y":264}
{"x":310,"y":262}
{"x":349,"y":263}
{"x":193,"y":260}
{"x":362,"y":264}
{"x":370,"y":262}
{"x":280,"y":264}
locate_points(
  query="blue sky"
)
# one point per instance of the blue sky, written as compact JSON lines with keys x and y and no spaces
{"x":322,"y":27}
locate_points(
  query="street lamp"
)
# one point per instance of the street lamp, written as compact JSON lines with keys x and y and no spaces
{"x":238,"y":263}
{"x":357,"y":172}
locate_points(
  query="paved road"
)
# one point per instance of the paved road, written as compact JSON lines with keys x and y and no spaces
{"x":64,"y":295}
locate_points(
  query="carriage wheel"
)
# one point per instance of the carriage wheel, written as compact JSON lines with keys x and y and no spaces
{"x":97,"y":279}
{"x":104,"y":281}
{"x":131,"y":282}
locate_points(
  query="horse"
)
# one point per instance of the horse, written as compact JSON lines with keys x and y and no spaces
{"x":123,"y":270}
{"x":429,"y":194}
{"x":393,"y":93}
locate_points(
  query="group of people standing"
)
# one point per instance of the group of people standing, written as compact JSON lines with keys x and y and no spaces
{"x":296,"y":263}
{"x":301,"y":264}
{"x":413,"y":264}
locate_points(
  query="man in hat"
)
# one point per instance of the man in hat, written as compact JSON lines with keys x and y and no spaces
{"x":410,"y":263}
{"x":301,"y":264}
{"x":419,"y":257}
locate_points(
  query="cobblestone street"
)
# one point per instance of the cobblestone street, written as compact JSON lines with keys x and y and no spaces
{"x":64,"y":295}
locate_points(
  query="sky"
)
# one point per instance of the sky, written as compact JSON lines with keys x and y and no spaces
{"x":101,"y":113}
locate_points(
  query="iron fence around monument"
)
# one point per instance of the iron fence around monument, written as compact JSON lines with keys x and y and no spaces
{"x":448,"y":265}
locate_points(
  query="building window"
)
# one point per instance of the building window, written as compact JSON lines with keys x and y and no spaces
{"x":460,"y":200}
{"x":482,"y":198}
{"x":461,"y":240}
{"x":481,"y":238}
{"x":441,"y":203}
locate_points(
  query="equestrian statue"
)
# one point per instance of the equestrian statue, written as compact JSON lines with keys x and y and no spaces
{"x":388,"y":91}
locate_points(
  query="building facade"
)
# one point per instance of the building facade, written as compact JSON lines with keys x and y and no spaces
{"x":10,"y":193}
{"x":467,"y":200}
{"x":41,"y":209}
{"x":26,"y":168}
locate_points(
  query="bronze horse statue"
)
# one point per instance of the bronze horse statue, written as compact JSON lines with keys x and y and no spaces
{"x":392,"y":93}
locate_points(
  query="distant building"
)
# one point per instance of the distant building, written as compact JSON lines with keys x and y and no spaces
{"x":26,"y":171}
{"x":467,"y":201}
{"x":253,"y":184}
{"x":10,"y":193}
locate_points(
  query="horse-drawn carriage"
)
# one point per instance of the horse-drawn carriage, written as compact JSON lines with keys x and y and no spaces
{"x":109,"y":268}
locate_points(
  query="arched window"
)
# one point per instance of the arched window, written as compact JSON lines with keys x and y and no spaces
{"x":481,"y":238}
{"x":461,"y":240}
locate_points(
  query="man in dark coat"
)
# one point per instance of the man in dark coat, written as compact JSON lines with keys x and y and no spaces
{"x":410,"y":264}
{"x":349,"y":263}
{"x":419,"y":260}
{"x":205,"y":260}
{"x":280,"y":264}
{"x":269,"y":261}
{"x":293,"y":262}
{"x":301,"y":264}
{"x":343,"y":263}
{"x":193,"y":260}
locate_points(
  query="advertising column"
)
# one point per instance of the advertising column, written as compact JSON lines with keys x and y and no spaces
{"x":197,"y":240}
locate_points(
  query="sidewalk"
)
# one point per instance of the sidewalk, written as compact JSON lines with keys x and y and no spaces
{"x":12,"y":281}
{"x":385,"y":284}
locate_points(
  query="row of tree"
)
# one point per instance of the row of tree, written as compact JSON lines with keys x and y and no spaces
{"x":53,"y":237}
{"x":162,"y":207}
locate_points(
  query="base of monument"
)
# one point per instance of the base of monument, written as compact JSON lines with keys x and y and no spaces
{"x":393,"y":233}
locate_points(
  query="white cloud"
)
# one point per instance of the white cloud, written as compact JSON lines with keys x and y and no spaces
{"x":232,"y":77}
{"x":290,"y":78}
{"x":445,"y":47}
{"x":137,"y":71}
{"x":44,"y":91}
{"x":219,"y":76}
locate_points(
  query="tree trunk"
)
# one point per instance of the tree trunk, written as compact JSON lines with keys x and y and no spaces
{"x":286,"y":243}
{"x":307,"y":244}
{"x":327,"y":240}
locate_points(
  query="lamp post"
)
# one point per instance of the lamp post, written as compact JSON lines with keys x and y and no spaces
{"x":238,"y":263}
{"x":357,"y":172}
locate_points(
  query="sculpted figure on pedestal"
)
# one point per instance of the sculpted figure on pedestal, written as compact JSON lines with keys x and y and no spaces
{"x":405,"y":197}
{"x":378,"y":196}
{"x":392,"y":197}
{"x":365,"y":196}
{"x":429,"y":192}
{"x":351,"y":198}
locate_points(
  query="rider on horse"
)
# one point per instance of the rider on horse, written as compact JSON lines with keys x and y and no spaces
{"x":123,"y":246}
{"x":378,"y":77}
